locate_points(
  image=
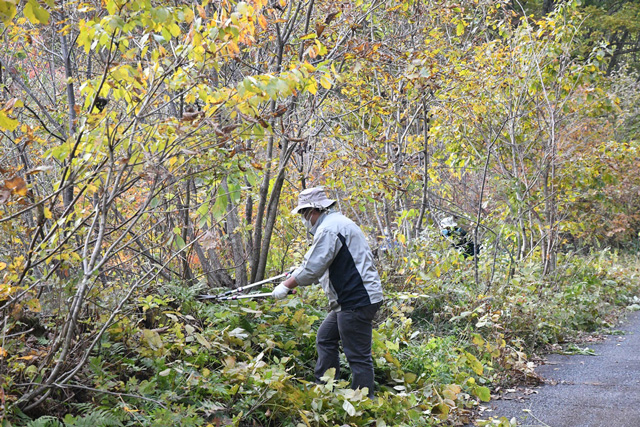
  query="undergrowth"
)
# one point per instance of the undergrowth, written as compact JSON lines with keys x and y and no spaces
{"x":441,"y":343}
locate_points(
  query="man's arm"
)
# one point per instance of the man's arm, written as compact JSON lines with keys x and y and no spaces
{"x":316,"y":261}
{"x":290,"y":283}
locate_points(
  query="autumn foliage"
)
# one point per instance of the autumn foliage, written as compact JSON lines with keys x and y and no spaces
{"x":152,"y":150}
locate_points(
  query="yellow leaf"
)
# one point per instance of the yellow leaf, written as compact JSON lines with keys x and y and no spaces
{"x":34,"y":305}
{"x":449,"y":394}
{"x":443,"y":411}
{"x":312,"y":86}
{"x":262,"y":21}
{"x":477,"y":340}
{"x":174,"y":30}
{"x":455,"y":388}
{"x":3,"y":265}
{"x":310,"y":68}
{"x":410,"y":377}
{"x":152,"y":339}
{"x":3,"y":352}
{"x":202,"y":340}
{"x":47,"y":213}
{"x":475,"y":364}
{"x":27,"y":357}
{"x":7,"y":122}
{"x":304,"y":418}
{"x":35,"y":13}
{"x":7,"y":10}
{"x":325,"y":83}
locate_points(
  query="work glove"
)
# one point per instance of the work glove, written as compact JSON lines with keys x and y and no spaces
{"x":280,"y":291}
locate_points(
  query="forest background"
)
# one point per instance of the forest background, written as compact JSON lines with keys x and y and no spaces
{"x":152,"y":151}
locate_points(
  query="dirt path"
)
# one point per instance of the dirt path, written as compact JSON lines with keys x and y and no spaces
{"x":584,"y":391}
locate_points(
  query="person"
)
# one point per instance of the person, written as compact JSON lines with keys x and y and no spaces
{"x":341,"y":260}
{"x":459,"y":238}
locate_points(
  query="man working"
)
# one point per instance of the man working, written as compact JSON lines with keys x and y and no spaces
{"x":341,"y":260}
{"x":460,"y":239}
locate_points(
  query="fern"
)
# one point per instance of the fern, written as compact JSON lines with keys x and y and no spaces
{"x":98,"y":418}
{"x":94,"y":418}
{"x":83,"y":408}
{"x":117,"y":349}
{"x":45,"y":421}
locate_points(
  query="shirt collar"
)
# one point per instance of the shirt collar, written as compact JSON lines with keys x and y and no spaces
{"x":320,"y":220}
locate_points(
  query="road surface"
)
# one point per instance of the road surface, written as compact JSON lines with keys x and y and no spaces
{"x":583,"y":391}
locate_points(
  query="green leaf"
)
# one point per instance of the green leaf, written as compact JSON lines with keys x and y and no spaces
{"x":483,"y":393}
{"x":203,"y":214}
{"x":7,"y":10}
{"x":174,"y":29}
{"x":115,"y":22}
{"x":348,"y":407}
{"x":153,"y":339}
{"x":283,"y":87}
{"x":477,"y":339}
{"x":35,"y":13}
{"x":219,"y":209}
{"x":203,"y":220}
{"x":475,"y":364}
{"x":166,"y":34}
{"x":203,"y":341}
{"x":179,"y":242}
{"x":410,"y":377}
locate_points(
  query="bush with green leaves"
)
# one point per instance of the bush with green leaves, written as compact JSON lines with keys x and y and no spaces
{"x":440,"y":344}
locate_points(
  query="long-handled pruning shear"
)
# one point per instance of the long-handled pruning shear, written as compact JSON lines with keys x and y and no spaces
{"x":234,"y":294}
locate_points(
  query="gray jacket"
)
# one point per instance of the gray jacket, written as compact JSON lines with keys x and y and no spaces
{"x":341,"y":260}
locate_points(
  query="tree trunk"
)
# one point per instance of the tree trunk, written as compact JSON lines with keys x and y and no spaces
{"x":187,"y":275}
{"x":548,"y":6}
{"x":67,"y":195}
{"x":425,"y":179}
{"x":272,"y":210}
{"x":239,"y":257}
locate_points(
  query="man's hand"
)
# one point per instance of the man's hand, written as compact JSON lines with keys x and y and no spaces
{"x":280,"y":291}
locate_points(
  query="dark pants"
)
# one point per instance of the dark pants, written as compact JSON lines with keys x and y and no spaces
{"x":354,"y":328}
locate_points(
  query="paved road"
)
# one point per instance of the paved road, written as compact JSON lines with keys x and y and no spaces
{"x":585,"y":391}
